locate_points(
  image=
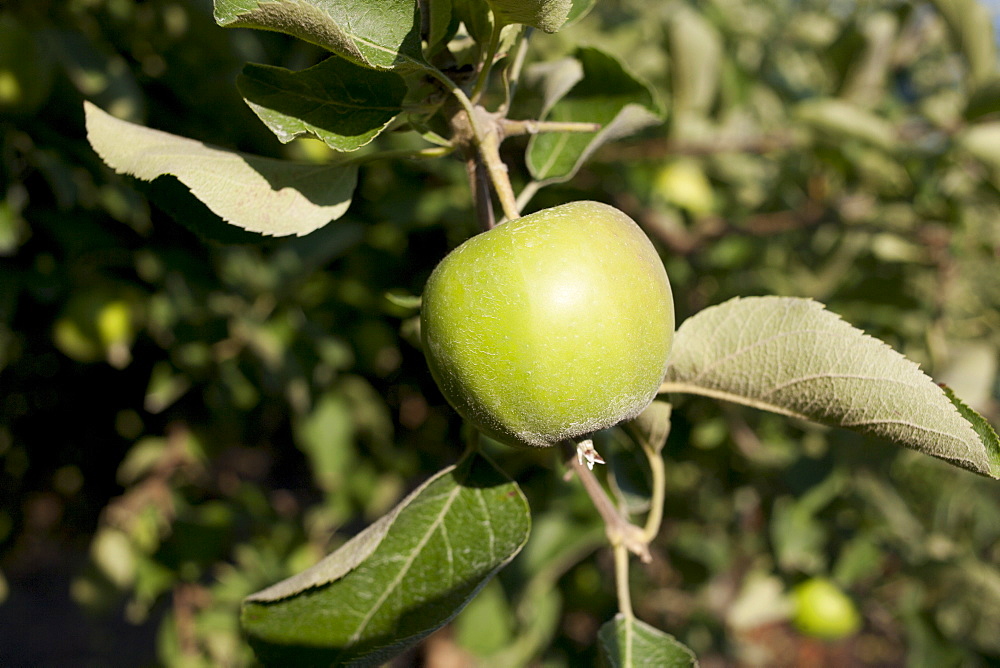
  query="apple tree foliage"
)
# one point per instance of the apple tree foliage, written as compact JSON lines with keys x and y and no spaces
{"x":848,"y":159}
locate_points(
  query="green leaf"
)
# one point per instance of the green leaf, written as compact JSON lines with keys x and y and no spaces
{"x":627,"y":471}
{"x":696,"y":51}
{"x":798,"y":534}
{"x":971,"y":30}
{"x":486,"y":625}
{"x":399,"y":580}
{"x":984,"y":100}
{"x":547,"y":15}
{"x":379,"y":35}
{"x":869,"y":70}
{"x":326,"y":435}
{"x":475,"y":14}
{"x":652,"y":426}
{"x":982,"y":140}
{"x":343,"y":104}
{"x":263,"y":195}
{"x":632,"y":642}
{"x":604,"y":93}
{"x":841,"y":120}
{"x":578,"y":11}
{"x":442,"y":24}
{"x":791,"y":356}
{"x":987,"y":434}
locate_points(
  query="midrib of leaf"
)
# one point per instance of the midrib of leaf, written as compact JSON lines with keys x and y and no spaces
{"x":378,"y":47}
{"x":694,"y":388}
{"x":629,"y":639}
{"x":556,"y":154}
{"x":670,"y":387}
{"x":820,"y":376}
{"x":688,"y":388}
{"x":836,"y":375}
{"x":405,"y":568}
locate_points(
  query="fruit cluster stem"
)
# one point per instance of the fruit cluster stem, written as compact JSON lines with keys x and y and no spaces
{"x":659,"y":487}
{"x":622,"y":585}
{"x":620,"y":531}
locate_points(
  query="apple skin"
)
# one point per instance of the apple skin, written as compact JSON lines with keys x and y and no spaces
{"x":551,"y":326}
{"x":823,"y":610}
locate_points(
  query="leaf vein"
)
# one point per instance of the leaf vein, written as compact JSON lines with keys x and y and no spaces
{"x":407,"y":564}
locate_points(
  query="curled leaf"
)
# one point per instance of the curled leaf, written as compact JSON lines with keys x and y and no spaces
{"x":263,"y":195}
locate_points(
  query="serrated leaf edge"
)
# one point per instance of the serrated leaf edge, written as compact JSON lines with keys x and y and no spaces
{"x":670,"y":386}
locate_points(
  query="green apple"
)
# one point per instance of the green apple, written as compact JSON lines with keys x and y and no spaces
{"x":551,"y":326}
{"x":683,"y":184}
{"x":823,"y":610}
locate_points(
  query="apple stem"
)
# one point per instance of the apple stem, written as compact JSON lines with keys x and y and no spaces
{"x":619,"y":530}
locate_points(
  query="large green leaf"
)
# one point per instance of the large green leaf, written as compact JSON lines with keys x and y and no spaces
{"x":399,"y":580}
{"x":343,"y":104}
{"x":603,"y":92}
{"x":262,"y":195}
{"x":631,"y":642}
{"x":380,"y":34}
{"x":793,"y":357}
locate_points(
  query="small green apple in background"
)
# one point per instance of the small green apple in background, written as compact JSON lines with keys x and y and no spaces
{"x":551,"y":326}
{"x":823,"y":610}
{"x":97,"y":325}
{"x":682,"y":183}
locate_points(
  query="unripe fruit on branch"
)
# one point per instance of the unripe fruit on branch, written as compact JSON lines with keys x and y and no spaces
{"x":551,"y":326}
{"x":823,"y":610}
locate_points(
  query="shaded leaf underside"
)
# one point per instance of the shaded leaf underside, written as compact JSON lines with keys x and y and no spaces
{"x":259,"y":194}
{"x":793,"y":357}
